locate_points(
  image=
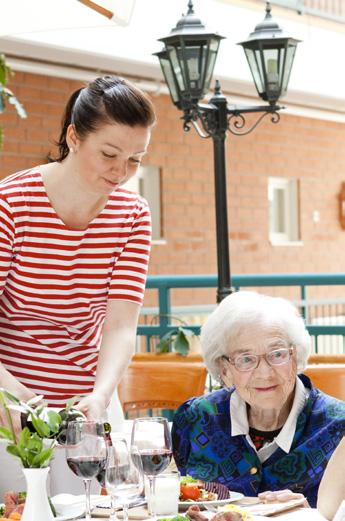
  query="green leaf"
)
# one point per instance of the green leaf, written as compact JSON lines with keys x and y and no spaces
{"x":72,"y":401}
{"x":181,"y":344}
{"x":6,"y":433}
{"x":53,"y":420}
{"x":10,"y":396}
{"x":163,"y":346}
{"x":52,"y":507}
{"x":34,"y":444}
{"x":18,"y":106}
{"x":40,"y":427}
{"x":14,"y":450}
{"x":19,"y":408}
{"x":187,"y":332}
{"x":4,"y":70}
{"x":41,"y":459}
{"x":24,"y":437}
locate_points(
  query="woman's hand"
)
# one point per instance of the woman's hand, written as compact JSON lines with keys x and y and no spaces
{"x":93,"y":406}
{"x":279,"y":496}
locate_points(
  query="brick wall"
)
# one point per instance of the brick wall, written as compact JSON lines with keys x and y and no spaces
{"x":311,"y":150}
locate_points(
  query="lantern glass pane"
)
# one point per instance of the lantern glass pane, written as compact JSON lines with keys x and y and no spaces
{"x":254,"y":61}
{"x":175,"y":55}
{"x":271,"y":58}
{"x":212,"y":55}
{"x":169,"y":78}
{"x":290,"y":55}
{"x":194,"y":63}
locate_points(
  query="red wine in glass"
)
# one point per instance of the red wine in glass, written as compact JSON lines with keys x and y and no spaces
{"x":154,"y":461}
{"x":86,"y":453}
{"x":86,"y":467}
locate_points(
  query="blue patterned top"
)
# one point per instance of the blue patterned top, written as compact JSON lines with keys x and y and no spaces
{"x":204,"y":448}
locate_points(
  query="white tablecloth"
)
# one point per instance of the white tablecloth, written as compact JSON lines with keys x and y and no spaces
{"x":304,"y":514}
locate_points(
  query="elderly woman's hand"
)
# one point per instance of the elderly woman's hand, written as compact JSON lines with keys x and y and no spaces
{"x":279,"y":496}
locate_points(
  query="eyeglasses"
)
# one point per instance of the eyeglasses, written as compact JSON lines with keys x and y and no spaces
{"x":249,"y":362}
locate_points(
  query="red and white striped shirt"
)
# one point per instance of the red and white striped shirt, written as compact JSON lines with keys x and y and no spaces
{"x":55,"y":282}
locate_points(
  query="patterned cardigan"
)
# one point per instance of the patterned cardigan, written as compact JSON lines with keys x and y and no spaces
{"x":204,"y":448}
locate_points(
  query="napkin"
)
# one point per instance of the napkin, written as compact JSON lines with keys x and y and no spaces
{"x":74,"y":506}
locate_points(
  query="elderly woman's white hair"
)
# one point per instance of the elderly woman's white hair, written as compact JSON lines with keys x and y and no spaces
{"x":247,"y":307}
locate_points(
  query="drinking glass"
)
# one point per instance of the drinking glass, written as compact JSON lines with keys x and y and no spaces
{"x":86,"y":453}
{"x":151,"y":436}
{"x":124,"y":478}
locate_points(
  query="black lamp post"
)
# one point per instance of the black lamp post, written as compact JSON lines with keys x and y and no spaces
{"x":187,"y":62}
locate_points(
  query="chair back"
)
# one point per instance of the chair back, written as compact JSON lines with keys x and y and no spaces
{"x":329,"y":378}
{"x":161,"y":382}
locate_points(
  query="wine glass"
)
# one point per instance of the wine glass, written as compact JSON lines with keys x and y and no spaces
{"x":86,"y":453}
{"x":124,"y":477}
{"x":151,"y":436}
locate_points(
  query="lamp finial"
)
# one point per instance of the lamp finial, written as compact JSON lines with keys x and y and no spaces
{"x":268,"y":9}
{"x":217,"y":88}
{"x":190,"y":7}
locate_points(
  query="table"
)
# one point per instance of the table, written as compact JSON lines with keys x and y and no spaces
{"x":301,"y":514}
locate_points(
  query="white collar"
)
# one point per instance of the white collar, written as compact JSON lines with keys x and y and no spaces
{"x":239,"y":417}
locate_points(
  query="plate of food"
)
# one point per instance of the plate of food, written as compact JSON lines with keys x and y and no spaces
{"x":197,"y":492}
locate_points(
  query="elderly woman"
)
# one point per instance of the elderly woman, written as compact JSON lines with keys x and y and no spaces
{"x":267,"y":428}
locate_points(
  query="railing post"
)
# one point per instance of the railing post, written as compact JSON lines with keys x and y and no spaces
{"x":304,"y":308}
{"x":164,"y":309}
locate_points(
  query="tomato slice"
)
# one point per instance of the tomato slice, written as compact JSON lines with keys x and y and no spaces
{"x":190,"y":491}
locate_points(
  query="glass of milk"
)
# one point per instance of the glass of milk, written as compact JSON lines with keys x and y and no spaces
{"x":167,"y":493}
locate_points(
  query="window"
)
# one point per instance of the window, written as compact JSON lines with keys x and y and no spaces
{"x":147,"y":183}
{"x":283,"y":210}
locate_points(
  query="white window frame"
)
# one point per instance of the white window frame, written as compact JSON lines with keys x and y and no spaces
{"x":147,"y":183}
{"x":290,"y":188}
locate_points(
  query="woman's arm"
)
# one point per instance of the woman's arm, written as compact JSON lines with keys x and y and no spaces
{"x":332,"y":486}
{"x":117,"y":348}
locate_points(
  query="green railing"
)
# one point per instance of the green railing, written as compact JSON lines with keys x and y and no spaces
{"x":165,"y":284}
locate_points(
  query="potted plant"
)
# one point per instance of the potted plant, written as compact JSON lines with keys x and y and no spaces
{"x":34,"y":447}
{"x":6,"y":95}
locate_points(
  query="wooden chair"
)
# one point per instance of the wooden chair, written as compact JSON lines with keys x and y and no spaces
{"x":326,"y":359}
{"x":329,"y":378}
{"x":155,"y":381}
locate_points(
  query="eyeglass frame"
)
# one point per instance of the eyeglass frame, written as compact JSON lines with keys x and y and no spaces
{"x":232,"y":361}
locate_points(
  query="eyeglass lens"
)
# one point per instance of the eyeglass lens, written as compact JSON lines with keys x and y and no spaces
{"x":275,"y":357}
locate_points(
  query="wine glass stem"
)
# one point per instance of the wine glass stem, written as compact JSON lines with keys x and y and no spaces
{"x":87,"y":484}
{"x":152,"y":509}
{"x":125,"y":511}
{"x":113,"y":516}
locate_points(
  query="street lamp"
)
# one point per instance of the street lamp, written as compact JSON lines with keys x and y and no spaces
{"x":187,"y":61}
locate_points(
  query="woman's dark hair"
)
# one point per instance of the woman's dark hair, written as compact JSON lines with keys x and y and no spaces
{"x":105,"y":100}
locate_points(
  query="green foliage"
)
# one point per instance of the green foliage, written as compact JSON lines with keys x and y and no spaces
{"x":176,"y":340}
{"x":34,"y":449}
{"x":6,"y":95}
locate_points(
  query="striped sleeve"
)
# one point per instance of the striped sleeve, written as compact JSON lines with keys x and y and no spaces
{"x":6,"y":241}
{"x":130,"y":271}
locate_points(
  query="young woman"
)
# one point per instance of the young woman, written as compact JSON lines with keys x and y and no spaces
{"x":74,"y":249}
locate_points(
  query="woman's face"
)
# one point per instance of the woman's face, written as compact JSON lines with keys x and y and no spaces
{"x":266,"y":386}
{"x":109,"y":157}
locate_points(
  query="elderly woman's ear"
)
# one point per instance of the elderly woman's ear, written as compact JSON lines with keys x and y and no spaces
{"x":225,"y":373}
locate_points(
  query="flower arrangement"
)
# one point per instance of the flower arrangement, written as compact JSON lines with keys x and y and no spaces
{"x":43,"y":428}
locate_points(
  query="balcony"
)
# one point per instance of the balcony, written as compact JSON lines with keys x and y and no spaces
{"x":329,"y":9}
